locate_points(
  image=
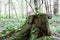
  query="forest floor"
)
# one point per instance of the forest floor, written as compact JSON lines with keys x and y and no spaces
{"x":7,"y":25}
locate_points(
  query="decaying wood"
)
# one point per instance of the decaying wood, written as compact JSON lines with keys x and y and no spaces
{"x":26,"y":34}
{"x":40,"y":22}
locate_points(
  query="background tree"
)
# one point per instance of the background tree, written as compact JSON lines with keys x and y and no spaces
{"x":55,"y":7}
{"x":9,"y":7}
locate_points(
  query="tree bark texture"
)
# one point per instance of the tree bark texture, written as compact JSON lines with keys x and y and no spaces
{"x":40,"y":22}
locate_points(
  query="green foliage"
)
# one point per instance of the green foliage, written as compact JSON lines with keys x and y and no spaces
{"x":13,"y":24}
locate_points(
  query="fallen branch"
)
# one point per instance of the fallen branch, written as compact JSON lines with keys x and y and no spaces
{"x":7,"y":36}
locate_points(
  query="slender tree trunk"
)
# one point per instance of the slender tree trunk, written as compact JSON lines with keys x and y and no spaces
{"x":22,"y":11}
{"x":14,"y":10}
{"x":55,"y":7}
{"x":9,"y":7}
{"x":0,"y":7}
{"x":47,"y":9}
{"x":27,"y":8}
{"x":36,"y":6}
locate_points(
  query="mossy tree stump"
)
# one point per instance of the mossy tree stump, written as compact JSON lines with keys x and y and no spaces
{"x":40,"y":22}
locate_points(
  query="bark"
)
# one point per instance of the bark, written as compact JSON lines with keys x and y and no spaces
{"x":9,"y":8}
{"x":36,"y":6}
{"x":49,"y":13}
{"x":26,"y":34}
{"x":56,"y":7}
{"x":40,"y":22}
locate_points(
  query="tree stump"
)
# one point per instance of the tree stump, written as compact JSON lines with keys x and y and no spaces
{"x":40,"y":22}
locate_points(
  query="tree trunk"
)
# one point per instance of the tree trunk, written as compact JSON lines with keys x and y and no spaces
{"x":40,"y":22}
{"x":56,"y":7}
{"x":49,"y":13}
{"x":9,"y":8}
{"x":36,"y":6}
